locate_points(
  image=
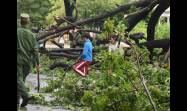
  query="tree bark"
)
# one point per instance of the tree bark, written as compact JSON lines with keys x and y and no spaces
{"x":63,"y":54}
{"x":167,"y":56}
{"x":154,"y":19}
{"x":88,"y":30}
{"x":60,"y":20}
{"x":163,"y":5}
{"x":69,"y":7}
{"x":122,"y":8}
{"x":42,"y":40}
{"x":162,"y":43}
{"x":67,"y":49}
{"x":57,"y":44}
{"x":136,"y":17}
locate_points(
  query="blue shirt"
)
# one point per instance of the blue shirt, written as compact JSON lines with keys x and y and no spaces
{"x":87,"y":51}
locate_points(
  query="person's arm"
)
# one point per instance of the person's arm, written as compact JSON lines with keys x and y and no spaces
{"x":109,"y":48}
{"x":85,"y":50}
{"x":124,"y":45}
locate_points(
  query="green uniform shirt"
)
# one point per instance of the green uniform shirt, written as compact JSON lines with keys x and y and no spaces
{"x":27,"y":47}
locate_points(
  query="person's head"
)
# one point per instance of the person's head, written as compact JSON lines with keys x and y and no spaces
{"x":24,"y":19}
{"x":66,"y":38}
{"x":86,"y":36}
{"x":113,"y":39}
{"x":73,"y":30}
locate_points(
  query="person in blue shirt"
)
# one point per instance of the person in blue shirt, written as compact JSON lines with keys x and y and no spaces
{"x":82,"y":66}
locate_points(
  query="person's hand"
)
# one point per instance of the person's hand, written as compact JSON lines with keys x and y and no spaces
{"x":77,"y":60}
{"x":76,"y":30}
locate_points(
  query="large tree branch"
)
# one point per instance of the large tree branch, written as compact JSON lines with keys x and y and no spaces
{"x":40,"y":41}
{"x":122,"y":8}
{"x":153,"y":21}
{"x":143,"y":79}
{"x":63,"y":54}
{"x":135,"y":17}
{"x":60,"y":20}
{"x":162,"y":43}
{"x":88,"y":30}
{"x":67,"y":49}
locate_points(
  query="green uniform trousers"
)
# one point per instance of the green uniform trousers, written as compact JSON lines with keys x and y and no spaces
{"x":22,"y":72}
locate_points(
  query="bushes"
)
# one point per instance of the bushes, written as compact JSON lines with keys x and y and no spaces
{"x":120,"y":91}
{"x":162,"y":31}
{"x":113,"y":26}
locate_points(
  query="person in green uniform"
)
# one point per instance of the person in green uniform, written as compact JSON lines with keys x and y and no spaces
{"x":27,"y":56}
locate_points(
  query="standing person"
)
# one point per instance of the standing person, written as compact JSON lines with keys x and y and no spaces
{"x":27,"y":55}
{"x":82,"y":66}
{"x":115,"y":46}
{"x":67,"y":43}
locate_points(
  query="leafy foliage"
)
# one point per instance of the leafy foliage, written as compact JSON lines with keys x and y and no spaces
{"x":162,"y":31}
{"x":57,"y":9}
{"x":121,"y":90}
{"x":37,"y":9}
{"x":92,"y":8}
{"x":113,"y":26}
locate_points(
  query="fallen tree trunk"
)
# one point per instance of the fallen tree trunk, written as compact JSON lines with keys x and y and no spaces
{"x":60,"y":20}
{"x":57,"y":44}
{"x":87,"y":30}
{"x":40,"y":41}
{"x":163,"y":5}
{"x":67,"y":49}
{"x":72,"y":53}
{"x":163,"y":43}
{"x":137,"y":36}
{"x":63,"y":54}
{"x":122,"y":8}
{"x":106,"y":41}
{"x":134,"y":18}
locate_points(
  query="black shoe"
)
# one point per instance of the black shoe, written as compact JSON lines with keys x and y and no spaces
{"x":25,"y":101}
